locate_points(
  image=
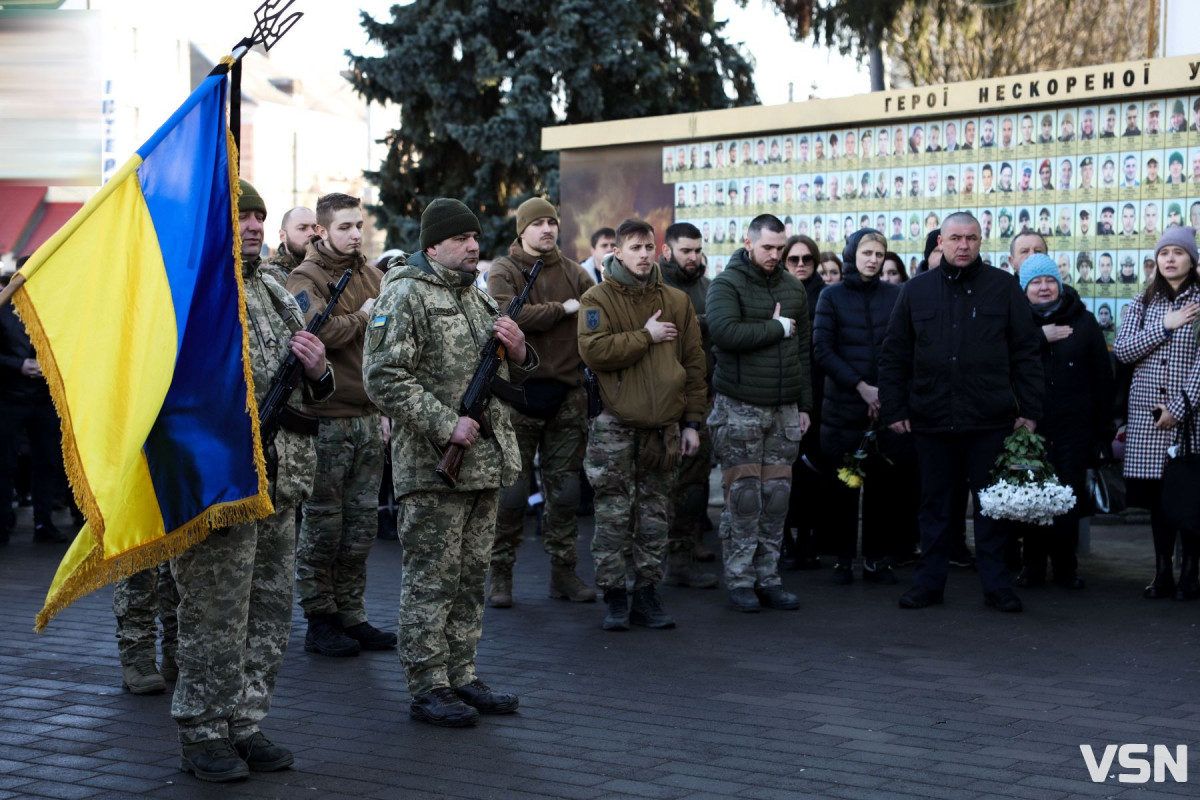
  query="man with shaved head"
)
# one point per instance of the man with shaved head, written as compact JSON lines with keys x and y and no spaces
{"x":296,"y":228}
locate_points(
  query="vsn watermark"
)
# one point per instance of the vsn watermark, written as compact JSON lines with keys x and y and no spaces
{"x":1137,"y":766}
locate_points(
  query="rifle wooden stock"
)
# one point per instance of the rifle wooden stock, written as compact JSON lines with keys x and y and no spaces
{"x":451,"y":463}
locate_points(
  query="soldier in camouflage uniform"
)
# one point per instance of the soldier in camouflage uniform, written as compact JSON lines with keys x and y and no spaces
{"x":682,"y":267}
{"x":552,"y":423}
{"x":298,"y":226}
{"x":642,"y":340}
{"x":758,"y":320}
{"x":137,"y":601}
{"x":422,"y":351}
{"x":341,"y":518}
{"x":235,"y":587}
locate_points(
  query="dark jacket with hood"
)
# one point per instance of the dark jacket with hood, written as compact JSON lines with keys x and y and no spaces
{"x":755,"y":363}
{"x":1079,"y":387}
{"x":962,"y":353}
{"x":848,"y":333}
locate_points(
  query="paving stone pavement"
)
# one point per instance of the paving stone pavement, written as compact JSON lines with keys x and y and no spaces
{"x":850,"y":697}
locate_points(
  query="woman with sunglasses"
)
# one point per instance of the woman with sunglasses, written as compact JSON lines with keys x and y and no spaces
{"x":805,"y":519}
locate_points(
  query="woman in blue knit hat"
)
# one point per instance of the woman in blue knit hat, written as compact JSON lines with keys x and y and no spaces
{"x":1159,"y":338}
{"x":1077,"y":415}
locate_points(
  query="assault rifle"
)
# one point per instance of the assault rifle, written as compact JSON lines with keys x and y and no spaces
{"x":484,"y":384}
{"x":288,"y":375}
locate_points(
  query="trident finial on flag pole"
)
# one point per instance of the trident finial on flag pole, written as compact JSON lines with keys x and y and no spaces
{"x":270,"y":25}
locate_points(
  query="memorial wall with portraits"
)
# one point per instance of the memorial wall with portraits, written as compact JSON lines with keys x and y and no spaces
{"x":1100,"y":181}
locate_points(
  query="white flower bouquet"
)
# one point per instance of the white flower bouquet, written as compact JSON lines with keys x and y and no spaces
{"x":1025,"y":488}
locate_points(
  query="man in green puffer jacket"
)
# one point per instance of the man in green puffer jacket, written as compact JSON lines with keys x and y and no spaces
{"x":758,"y":322}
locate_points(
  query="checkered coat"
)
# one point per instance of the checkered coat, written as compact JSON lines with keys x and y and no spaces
{"x":1165,"y":366}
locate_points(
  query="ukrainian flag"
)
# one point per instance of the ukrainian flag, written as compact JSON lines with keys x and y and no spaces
{"x":136,"y":310}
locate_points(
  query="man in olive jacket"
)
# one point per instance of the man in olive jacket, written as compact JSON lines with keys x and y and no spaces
{"x":758,"y":321}
{"x":961,"y":369}
{"x":642,"y":340}
{"x":422,"y":349}
{"x":552,"y":422}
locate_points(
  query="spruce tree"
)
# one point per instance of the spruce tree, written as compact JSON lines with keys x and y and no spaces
{"x":477,"y":81}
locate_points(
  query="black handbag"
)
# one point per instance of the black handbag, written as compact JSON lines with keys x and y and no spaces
{"x":1181,"y":477}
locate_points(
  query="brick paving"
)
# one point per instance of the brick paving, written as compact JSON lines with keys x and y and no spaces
{"x":850,"y":697}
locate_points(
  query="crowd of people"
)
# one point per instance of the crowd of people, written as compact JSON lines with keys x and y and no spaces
{"x":636,"y":374}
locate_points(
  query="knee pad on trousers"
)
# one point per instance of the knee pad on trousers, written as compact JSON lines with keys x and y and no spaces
{"x":514,"y":498}
{"x":745,"y":497}
{"x":778,"y":497}
{"x":569,"y":493}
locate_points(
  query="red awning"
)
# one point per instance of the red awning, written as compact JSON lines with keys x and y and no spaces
{"x":55,"y":217}
{"x":17,"y":206}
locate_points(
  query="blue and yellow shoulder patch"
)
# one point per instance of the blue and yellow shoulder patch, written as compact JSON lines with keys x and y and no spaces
{"x":592,"y":318}
{"x":376,"y":331}
{"x":303,"y":301}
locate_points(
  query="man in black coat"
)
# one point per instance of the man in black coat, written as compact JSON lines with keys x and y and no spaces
{"x":961,"y":369}
{"x":25,"y":405}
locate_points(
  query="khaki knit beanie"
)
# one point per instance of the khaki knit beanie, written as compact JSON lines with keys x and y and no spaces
{"x":446,"y":217}
{"x":534,"y":208}
{"x":250,"y":200}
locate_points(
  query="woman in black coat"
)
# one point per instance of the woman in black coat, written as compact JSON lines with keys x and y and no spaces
{"x":850,"y":325}
{"x":806,"y":517}
{"x":1076,"y":417}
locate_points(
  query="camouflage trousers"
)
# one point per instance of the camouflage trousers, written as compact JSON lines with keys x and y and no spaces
{"x":560,"y":441}
{"x":689,"y":499}
{"x":137,"y":601}
{"x":632,"y":504}
{"x":756,"y":446}
{"x":447,"y":538}
{"x":341,"y":519}
{"x":235,"y":614}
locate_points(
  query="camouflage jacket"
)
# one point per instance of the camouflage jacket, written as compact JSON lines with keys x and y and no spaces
{"x":423,"y":342}
{"x":269,"y":334}
{"x":281,"y":263}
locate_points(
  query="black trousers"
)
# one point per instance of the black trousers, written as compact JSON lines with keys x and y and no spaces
{"x":942,"y":459}
{"x":40,"y":422}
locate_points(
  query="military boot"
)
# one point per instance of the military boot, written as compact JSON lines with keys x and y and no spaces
{"x":262,"y":755}
{"x":142,"y":677}
{"x":371,"y":638}
{"x":647,"y":609}
{"x":500,"y":588}
{"x":169,"y":669}
{"x":214,"y":760}
{"x":682,"y":572}
{"x":566,"y":585}
{"x":618,"y":609}
{"x":325,"y":636}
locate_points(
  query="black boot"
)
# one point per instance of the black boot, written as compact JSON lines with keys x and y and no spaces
{"x":618,"y":610}
{"x":371,"y":638}
{"x":1163,"y":585}
{"x":1189,"y":569}
{"x":647,"y":609}
{"x":325,"y":636}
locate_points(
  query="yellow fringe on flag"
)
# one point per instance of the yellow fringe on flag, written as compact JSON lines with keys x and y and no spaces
{"x":84,"y":569}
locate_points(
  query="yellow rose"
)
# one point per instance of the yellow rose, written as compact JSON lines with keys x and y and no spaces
{"x":854,"y":481}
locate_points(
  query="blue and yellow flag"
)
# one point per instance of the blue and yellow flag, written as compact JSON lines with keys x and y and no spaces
{"x":135,"y":308}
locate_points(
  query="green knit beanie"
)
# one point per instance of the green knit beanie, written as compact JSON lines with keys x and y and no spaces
{"x":446,"y":217}
{"x":250,"y":200}
{"x":534,"y":208}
